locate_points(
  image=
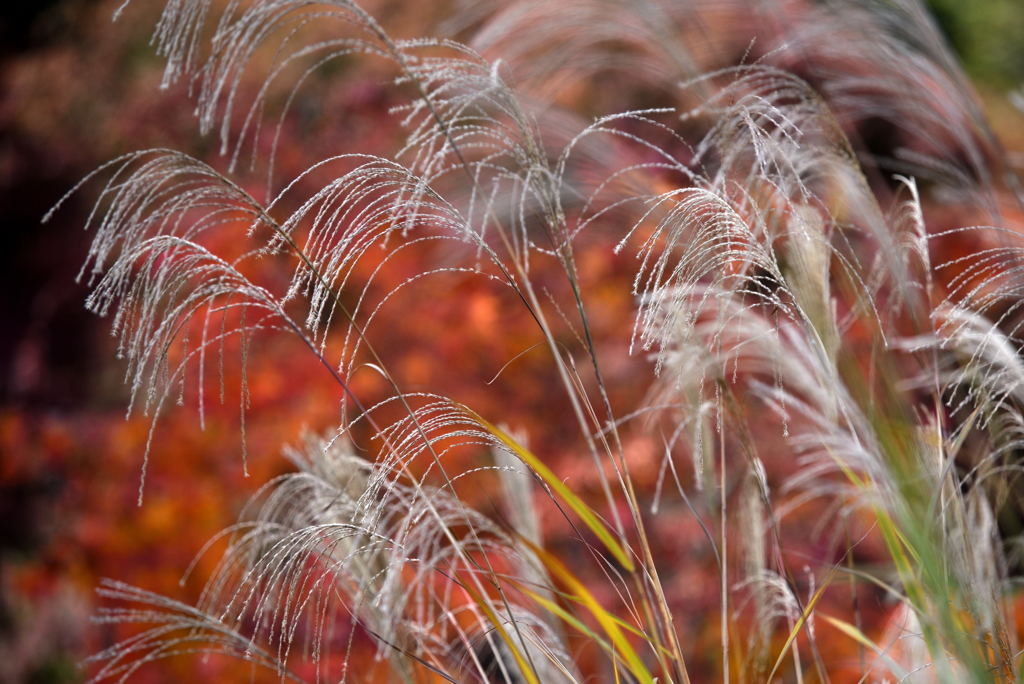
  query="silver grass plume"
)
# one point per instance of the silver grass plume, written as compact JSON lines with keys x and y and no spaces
{"x":768,"y":246}
{"x":343,"y":541}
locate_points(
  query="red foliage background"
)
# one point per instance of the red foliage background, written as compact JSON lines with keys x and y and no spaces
{"x":78,"y":90}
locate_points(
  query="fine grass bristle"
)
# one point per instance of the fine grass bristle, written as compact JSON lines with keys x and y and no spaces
{"x":835,"y":393}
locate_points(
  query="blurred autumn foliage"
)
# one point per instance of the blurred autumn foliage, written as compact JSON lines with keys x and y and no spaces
{"x":77,"y":90}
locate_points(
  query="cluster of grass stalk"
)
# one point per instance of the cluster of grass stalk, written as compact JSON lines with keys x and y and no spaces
{"x":788,"y":310}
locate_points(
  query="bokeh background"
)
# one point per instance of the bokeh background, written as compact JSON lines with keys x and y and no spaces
{"x":77,"y":89}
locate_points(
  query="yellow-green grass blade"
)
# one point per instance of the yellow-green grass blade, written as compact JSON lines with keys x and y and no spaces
{"x":800,"y":623}
{"x":622,"y":648}
{"x":561,"y":613}
{"x":524,"y":667}
{"x":586,"y":514}
{"x":570,"y":619}
{"x":857,"y":635}
{"x":851,"y":631}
